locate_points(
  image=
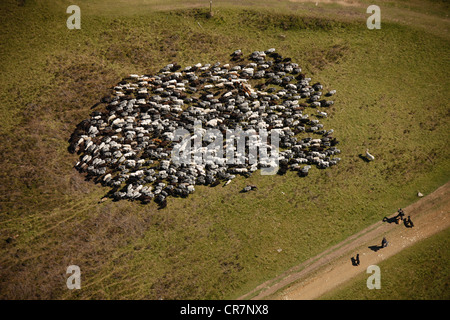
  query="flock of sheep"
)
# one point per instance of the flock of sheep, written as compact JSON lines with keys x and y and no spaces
{"x":130,"y":145}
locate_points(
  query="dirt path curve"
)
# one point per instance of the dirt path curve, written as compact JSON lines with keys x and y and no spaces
{"x":333,"y":267}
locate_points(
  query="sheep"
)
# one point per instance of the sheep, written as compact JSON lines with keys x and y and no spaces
{"x":107,"y":178}
{"x":322,"y":114}
{"x":369,"y":157}
{"x":326,"y":103}
{"x":304,"y":171}
{"x":323,"y":164}
{"x":249,"y":188}
{"x":145,"y":111}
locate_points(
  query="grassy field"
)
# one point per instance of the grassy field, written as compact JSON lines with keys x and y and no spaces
{"x":218,"y":243}
{"x":418,"y":273}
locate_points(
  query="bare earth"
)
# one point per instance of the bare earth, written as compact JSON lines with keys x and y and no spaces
{"x":333,"y":267}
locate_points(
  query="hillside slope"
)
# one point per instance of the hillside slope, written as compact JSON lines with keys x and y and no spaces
{"x":391,"y":98}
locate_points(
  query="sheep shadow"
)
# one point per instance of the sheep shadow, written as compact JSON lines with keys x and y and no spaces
{"x":364,"y":158}
{"x":215,"y":183}
{"x":162,"y":204}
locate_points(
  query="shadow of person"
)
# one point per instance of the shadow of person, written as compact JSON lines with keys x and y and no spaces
{"x":375,"y":248}
{"x":391,"y":220}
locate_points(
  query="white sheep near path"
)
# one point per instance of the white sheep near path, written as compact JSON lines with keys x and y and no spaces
{"x":369,"y":156}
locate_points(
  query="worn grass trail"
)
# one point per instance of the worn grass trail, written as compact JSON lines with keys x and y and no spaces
{"x":324,"y":272}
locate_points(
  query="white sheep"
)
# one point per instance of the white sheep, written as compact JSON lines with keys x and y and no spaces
{"x":369,"y":156}
{"x":322,"y":114}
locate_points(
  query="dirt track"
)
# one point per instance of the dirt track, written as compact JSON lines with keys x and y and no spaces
{"x":332,"y":267}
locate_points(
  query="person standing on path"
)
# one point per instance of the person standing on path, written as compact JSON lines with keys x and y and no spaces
{"x":384,"y":243}
{"x":400,"y":215}
{"x":355,"y":261}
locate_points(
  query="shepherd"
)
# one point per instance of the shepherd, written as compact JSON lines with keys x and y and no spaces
{"x":399,"y":216}
{"x":408,"y":222}
{"x":384,"y":243}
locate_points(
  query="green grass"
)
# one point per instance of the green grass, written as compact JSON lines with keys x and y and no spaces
{"x":419,"y":272}
{"x":218,"y":243}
